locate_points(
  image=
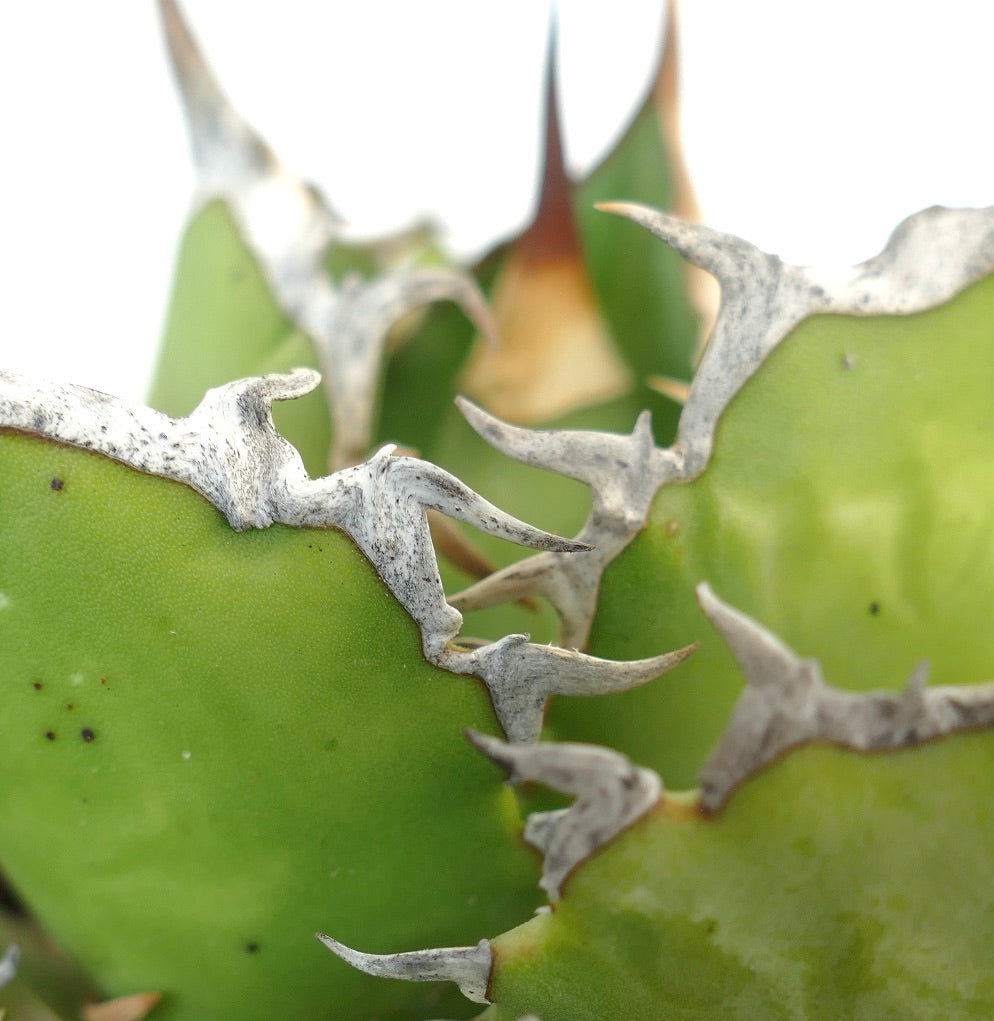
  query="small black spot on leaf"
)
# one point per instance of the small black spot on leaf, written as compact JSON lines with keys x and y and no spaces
{"x":57,"y":484}
{"x":37,"y":685}
{"x":49,"y":735}
{"x":874,"y":609}
{"x":86,"y":734}
{"x":251,"y":948}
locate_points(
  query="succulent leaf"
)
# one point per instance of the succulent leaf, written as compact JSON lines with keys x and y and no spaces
{"x":786,"y":509}
{"x":650,"y":297}
{"x":142,"y":632}
{"x":234,"y":685}
{"x":796,"y":901}
{"x":556,"y":353}
{"x":285,"y":228}
{"x":184,"y":755}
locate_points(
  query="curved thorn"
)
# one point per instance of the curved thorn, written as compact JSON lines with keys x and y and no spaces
{"x":468,"y":967}
{"x":352,"y":335}
{"x":764,"y":659}
{"x":786,"y":702}
{"x":435,"y":488}
{"x":611,"y":793}
{"x":521,"y":677}
{"x":723,"y":255}
{"x":594,"y":458}
{"x":929,"y":258}
{"x":507,"y":585}
{"x":623,"y":472}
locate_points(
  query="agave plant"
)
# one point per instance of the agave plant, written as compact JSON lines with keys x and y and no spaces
{"x":261,"y":682}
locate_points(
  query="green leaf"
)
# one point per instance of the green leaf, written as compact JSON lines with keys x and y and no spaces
{"x":224,"y":324}
{"x":846,"y":505}
{"x":224,"y":742}
{"x":641,"y":284}
{"x":833,"y":885}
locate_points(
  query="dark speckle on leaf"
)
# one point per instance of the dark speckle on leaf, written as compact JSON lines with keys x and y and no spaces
{"x":37,"y":685}
{"x":874,"y":609}
{"x":86,"y":734}
{"x":57,"y":484}
{"x":251,"y":948}
{"x":50,"y":735}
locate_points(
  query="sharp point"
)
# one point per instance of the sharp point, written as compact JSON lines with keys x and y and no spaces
{"x":478,"y":417}
{"x":705,"y":595}
{"x":499,"y":752}
{"x":185,"y":54}
{"x":629,"y":210}
{"x":552,"y":233}
{"x":679,"y":655}
{"x":576,"y":546}
{"x":668,"y":78}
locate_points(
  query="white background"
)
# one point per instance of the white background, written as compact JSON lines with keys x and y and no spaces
{"x":810,"y":129}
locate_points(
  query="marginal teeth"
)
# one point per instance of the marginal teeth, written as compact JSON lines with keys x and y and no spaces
{"x":623,"y":473}
{"x":289,"y":228}
{"x":521,"y":677}
{"x":786,"y":702}
{"x":468,"y":967}
{"x":611,"y":793}
{"x":929,"y":258}
{"x":352,"y":335}
{"x":227,"y":449}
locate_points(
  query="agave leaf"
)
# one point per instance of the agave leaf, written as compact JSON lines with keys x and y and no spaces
{"x":234,"y":314}
{"x":811,"y":882}
{"x":214,"y":690}
{"x":556,"y":352}
{"x":846,"y":504}
{"x":832,"y":885}
{"x":279,"y":242}
{"x":189,"y":742}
